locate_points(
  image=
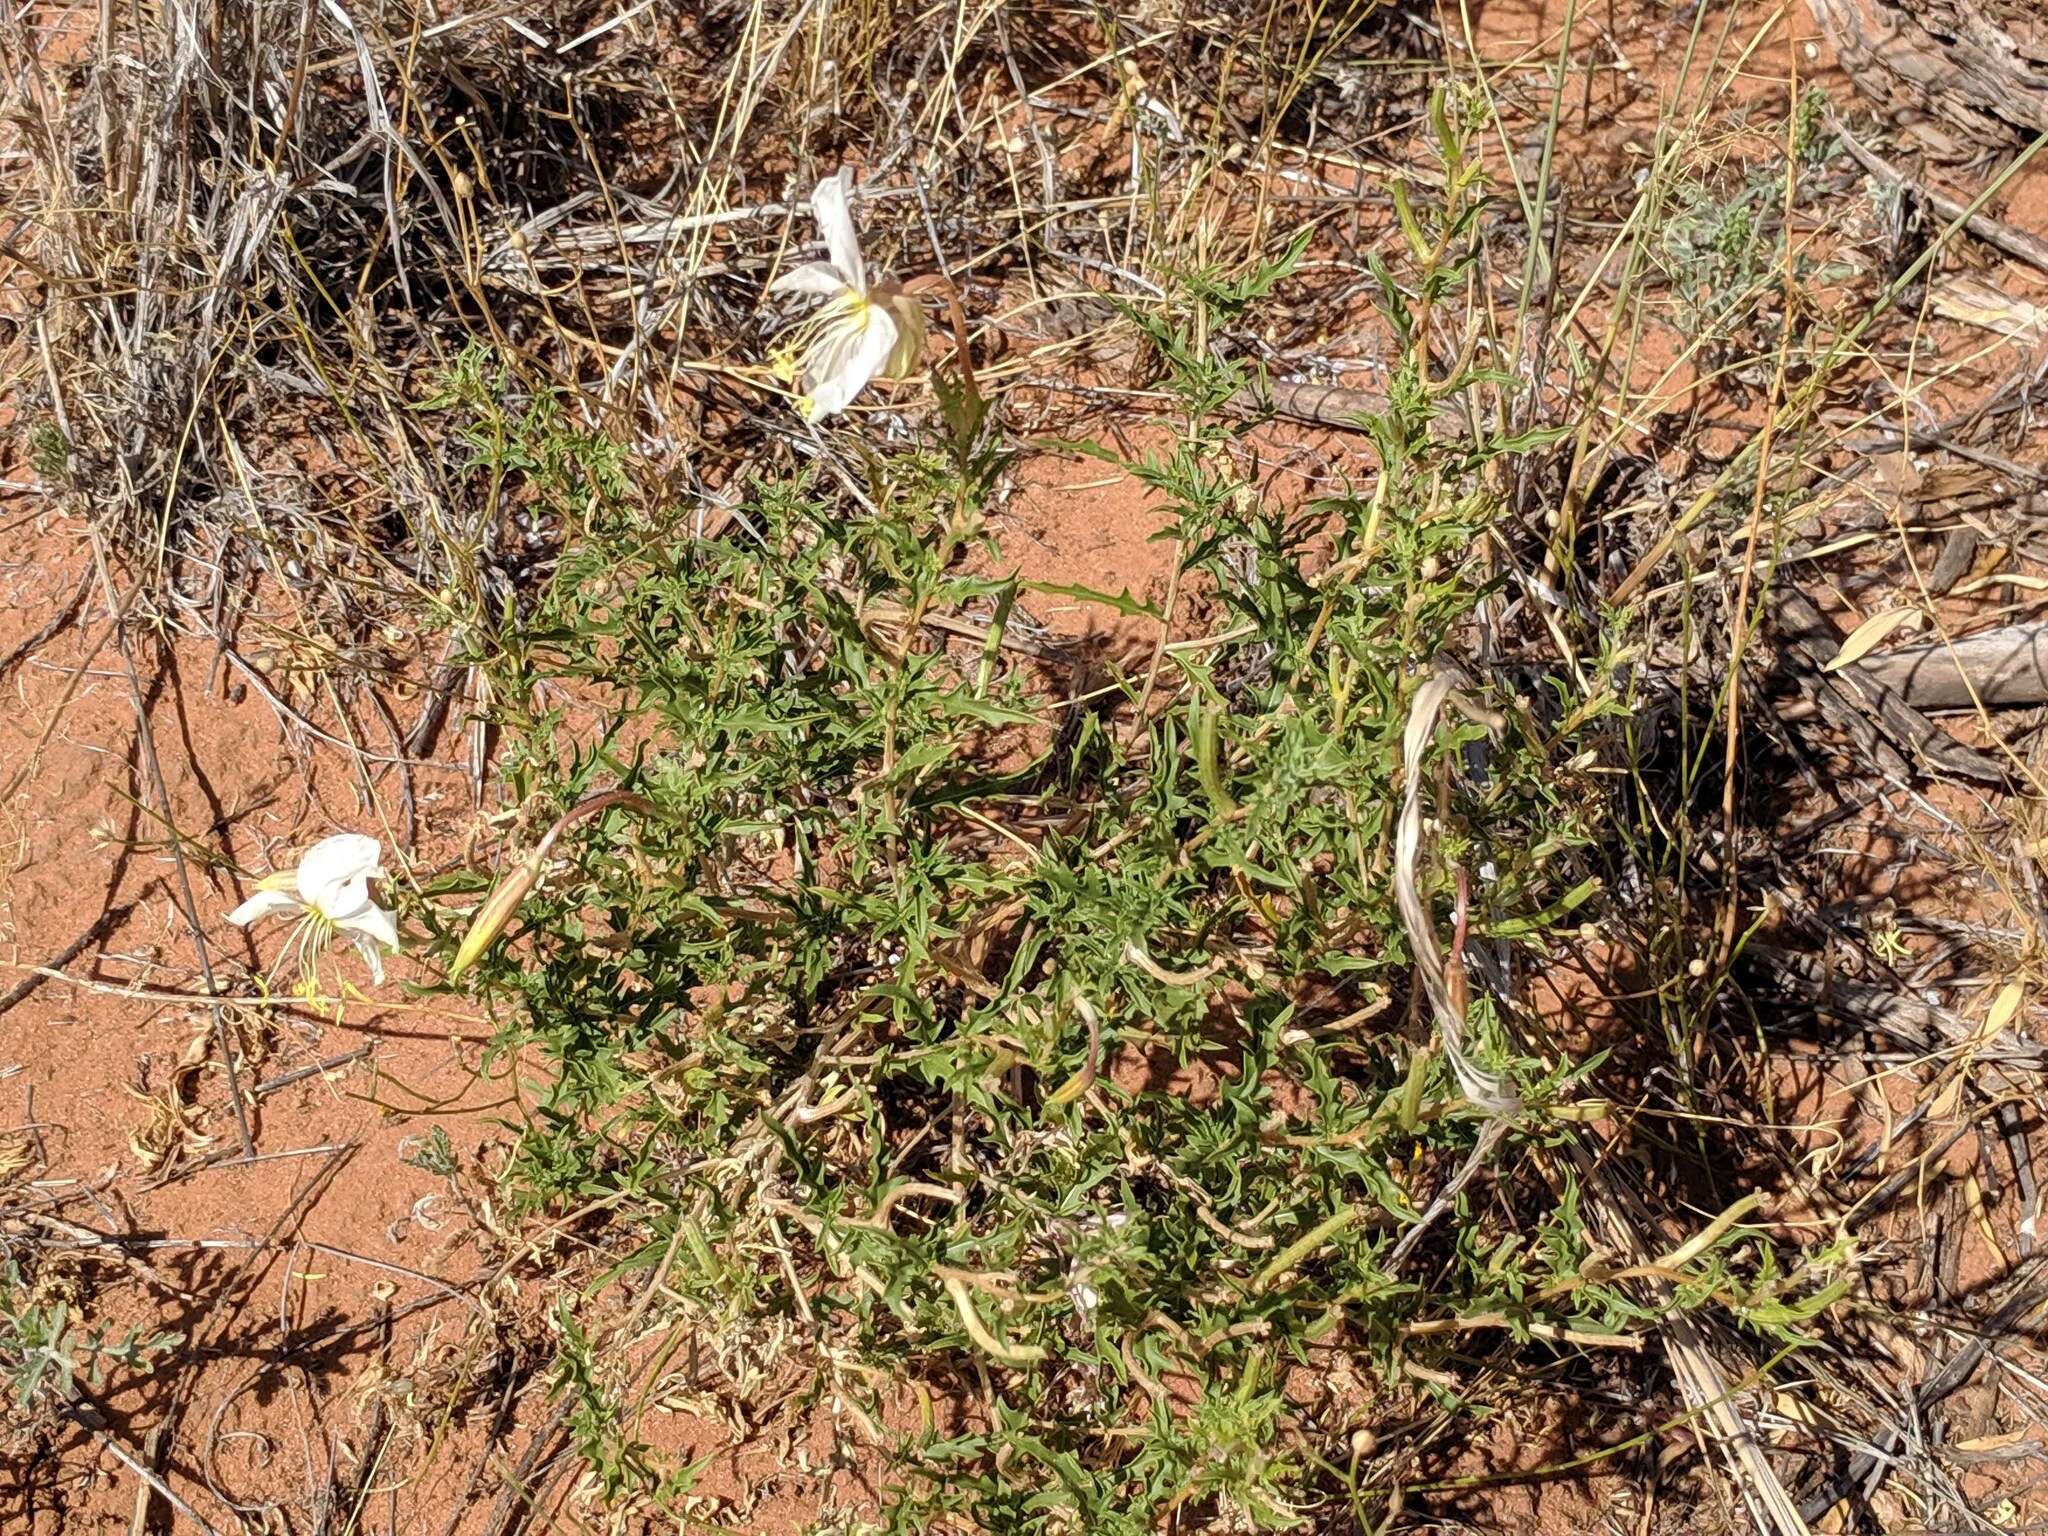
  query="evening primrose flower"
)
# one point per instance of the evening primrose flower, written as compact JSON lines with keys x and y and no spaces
{"x":330,"y":891}
{"x":864,"y":328}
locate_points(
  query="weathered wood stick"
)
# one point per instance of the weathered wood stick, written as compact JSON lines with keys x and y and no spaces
{"x":1813,"y":638}
{"x":2003,"y":668}
{"x":1326,"y":405}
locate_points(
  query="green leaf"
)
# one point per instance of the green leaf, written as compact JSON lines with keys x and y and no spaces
{"x":1122,"y":602}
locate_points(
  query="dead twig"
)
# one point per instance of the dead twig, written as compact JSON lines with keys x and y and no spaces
{"x":88,"y":1418}
{"x":49,"y":631}
{"x":2016,"y":243}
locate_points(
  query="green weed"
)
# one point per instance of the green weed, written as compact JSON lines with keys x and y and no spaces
{"x":45,"y":1348}
{"x":945,"y":1035}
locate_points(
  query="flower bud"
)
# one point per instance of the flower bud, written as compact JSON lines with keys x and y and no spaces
{"x":495,"y":913}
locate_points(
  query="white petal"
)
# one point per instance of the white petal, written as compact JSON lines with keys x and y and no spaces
{"x":819,"y":277}
{"x":334,"y":875}
{"x":835,"y":223}
{"x":373,"y":923}
{"x":370,"y":956}
{"x":843,"y":329}
{"x":264,"y":904}
{"x":843,"y":364}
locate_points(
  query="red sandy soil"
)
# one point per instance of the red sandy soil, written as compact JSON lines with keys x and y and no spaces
{"x":328,"y":1290}
{"x":236,"y":1269}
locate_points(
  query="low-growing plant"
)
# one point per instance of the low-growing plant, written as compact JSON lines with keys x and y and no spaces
{"x":951,"y":1022}
{"x":47,"y":1349}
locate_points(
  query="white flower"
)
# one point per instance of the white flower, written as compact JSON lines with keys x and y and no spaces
{"x":331,"y":889}
{"x":864,"y":328}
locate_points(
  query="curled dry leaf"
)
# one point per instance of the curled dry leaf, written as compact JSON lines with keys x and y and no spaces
{"x":2004,"y":1008}
{"x":171,"y":1131}
{"x":170,"y":1134}
{"x":2018,"y":579}
{"x":1867,"y":636}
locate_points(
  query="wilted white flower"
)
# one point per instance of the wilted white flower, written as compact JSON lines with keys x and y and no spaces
{"x":330,"y":891}
{"x":864,"y":327}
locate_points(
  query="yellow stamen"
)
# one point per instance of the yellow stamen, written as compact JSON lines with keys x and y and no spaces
{"x":841,"y":319}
